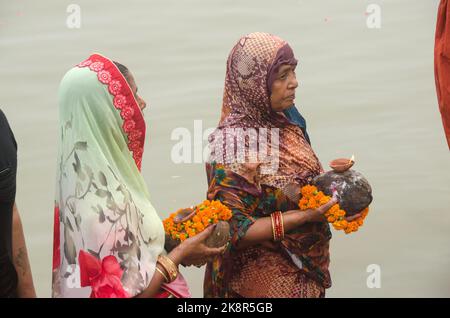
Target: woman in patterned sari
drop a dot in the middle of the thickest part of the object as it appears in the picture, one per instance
(108, 239)
(258, 98)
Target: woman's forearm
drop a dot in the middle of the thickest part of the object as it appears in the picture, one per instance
(158, 279)
(25, 288)
(155, 285)
(261, 230)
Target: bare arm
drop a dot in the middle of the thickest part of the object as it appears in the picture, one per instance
(261, 231)
(188, 252)
(155, 284)
(25, 288)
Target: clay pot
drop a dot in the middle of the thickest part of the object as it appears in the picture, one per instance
(350, 187)
(341, 164)
(184, 215)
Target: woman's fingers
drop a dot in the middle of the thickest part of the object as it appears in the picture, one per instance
(202, 236)
(325, 207)
(214, 251)
(353, 217)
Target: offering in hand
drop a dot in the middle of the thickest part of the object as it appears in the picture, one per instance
(351, 189)
(188, 222)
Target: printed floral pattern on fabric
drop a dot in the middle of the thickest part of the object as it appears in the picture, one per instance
(103, 276)
(236, 271)
(115, 211)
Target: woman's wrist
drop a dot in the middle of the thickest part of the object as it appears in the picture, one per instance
(177, 255)
(299, 217)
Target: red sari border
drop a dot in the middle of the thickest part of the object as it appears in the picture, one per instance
(124, 101)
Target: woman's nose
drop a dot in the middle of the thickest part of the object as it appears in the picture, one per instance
(294, 83)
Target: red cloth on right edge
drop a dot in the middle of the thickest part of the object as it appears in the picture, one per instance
(442, 64)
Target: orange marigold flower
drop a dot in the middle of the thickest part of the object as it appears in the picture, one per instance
(308, 190)
(206, 213)
(313, 198)
(312, 203)
(338, 226)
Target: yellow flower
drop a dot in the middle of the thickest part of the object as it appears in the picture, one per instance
(337, 226)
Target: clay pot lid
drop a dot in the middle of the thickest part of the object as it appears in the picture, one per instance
(184, 215)
(342, 164)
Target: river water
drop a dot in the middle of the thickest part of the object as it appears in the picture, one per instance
(364, 91)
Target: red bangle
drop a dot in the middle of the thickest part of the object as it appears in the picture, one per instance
(277, 226)
(280, 216)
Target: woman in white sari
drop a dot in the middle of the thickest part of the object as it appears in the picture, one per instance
(108, 238)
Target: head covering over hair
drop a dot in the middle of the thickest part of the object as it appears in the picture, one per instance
(246, 106)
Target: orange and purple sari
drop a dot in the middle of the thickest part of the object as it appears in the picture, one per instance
(297, 266)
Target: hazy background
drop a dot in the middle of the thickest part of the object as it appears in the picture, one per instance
(368, 92)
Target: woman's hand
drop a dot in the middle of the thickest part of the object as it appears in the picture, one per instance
(318, 214)
(194, 250)
(353, 217)
(191, 251)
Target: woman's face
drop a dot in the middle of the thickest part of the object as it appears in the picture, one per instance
(283, 88)
(130, 79)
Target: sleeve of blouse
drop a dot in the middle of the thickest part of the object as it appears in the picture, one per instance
(7, 161)
(238, 195)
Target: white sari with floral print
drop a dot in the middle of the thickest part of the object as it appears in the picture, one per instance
(107, 234)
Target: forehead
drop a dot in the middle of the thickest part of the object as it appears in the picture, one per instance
(286, 67)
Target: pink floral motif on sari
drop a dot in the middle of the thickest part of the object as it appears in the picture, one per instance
(103, 276)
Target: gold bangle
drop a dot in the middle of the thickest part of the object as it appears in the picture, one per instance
(163, 275)
(169, 266)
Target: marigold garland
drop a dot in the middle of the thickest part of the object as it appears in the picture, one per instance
(313, 198)
(206, 213)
